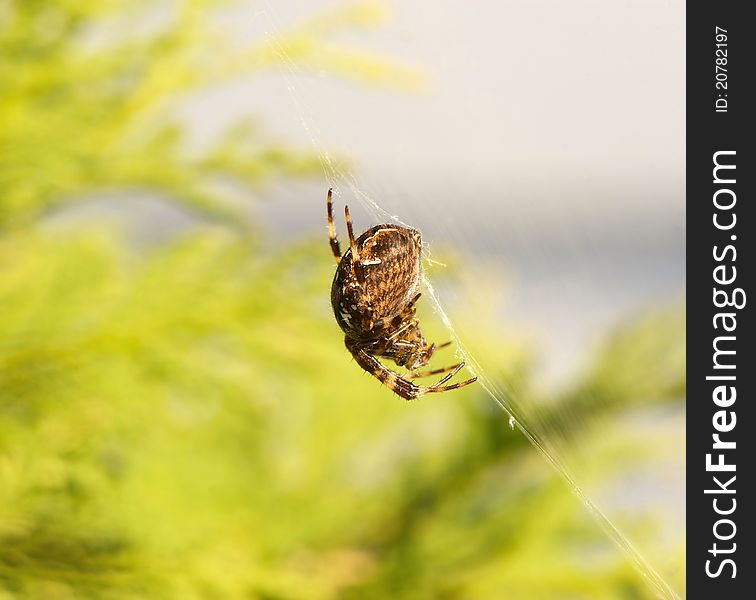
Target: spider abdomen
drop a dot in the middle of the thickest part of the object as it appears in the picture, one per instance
(383, 282)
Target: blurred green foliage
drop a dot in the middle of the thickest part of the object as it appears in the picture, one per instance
(182, 421)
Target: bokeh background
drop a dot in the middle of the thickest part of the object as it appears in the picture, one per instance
(178, 415)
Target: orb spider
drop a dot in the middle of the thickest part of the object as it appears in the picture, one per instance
(373, 296)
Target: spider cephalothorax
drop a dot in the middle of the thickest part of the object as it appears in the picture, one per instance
(374, 293)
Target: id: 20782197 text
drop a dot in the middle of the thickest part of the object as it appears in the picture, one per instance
(720, 69)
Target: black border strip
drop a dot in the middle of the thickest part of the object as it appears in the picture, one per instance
(720, 107)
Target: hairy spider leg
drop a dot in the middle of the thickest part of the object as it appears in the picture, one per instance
(414, 300)
(454, 371)
(352, 242)
(356, 263)
(334, 241)
(358, 269)
(402, 387)
(418, 374)
(403, 328)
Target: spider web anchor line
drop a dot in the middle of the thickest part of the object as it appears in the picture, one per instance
(499, 396)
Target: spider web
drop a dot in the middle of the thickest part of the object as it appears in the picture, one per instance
(439, 211)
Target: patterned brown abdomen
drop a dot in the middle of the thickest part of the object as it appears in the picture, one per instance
(390, 263)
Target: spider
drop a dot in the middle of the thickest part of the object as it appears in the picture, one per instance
(373, 296)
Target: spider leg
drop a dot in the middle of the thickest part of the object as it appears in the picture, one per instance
(453, 386)
(400, 386)
(418, 374)
(402, 329)
(352, 243)
(454, 371)
(335, 248)
(356, 263)
(444, 345)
